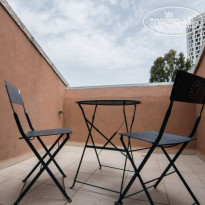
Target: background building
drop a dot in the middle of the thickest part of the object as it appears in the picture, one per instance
(195, 37)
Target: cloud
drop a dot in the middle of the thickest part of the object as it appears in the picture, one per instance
(104, 42)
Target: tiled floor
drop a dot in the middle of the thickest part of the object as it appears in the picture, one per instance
(170, 190)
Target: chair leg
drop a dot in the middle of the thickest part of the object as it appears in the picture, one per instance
(125, 164)
(169, 166)
(137, 174)
(180, 176)
(45, 167)
(48, 152)
(123, 175)
(36, 166)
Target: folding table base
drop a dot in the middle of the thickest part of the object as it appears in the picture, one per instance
(90, 126)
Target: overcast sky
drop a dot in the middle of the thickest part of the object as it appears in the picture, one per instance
(100, 42)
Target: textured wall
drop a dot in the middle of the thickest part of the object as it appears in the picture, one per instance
(149, 114)
(201, 130)
(22, 65)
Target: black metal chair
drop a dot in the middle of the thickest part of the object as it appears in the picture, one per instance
(187, 88)
(16, 98)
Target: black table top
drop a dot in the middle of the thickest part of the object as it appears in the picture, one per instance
(113, 102)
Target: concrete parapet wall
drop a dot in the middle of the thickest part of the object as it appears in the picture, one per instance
(22, 65)
(149, 114)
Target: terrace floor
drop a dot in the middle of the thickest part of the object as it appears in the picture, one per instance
(170, 190)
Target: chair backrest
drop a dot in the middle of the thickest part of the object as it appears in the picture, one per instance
(15, 97)
(14, 94)
(187, 88)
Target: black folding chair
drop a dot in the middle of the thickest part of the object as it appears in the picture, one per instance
(16, 98)
(187, 88)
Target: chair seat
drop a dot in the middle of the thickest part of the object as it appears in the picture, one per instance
(151, 136)
(48, 132)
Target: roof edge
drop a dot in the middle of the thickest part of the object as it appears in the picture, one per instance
(122, 85)
(11, 12)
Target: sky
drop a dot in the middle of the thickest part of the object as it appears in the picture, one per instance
(102, 42)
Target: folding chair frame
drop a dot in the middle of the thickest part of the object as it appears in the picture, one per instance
(138, 170)
(196, 94)
(44, 167)
(16, 98)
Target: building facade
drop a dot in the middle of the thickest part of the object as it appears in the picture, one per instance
(195, 37)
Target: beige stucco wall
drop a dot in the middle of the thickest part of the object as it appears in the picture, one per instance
(201, 130)
(149, 114)
(22, 65)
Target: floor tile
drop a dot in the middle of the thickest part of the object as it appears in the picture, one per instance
(191, 179)
(178, 195)
(86, 167)
(10, 190)
(158, 195)
(202, 177)
(87, 197)
(199, 193)
(15, 170)
(68, 180)
(107, 182)
(3, 179)
(170, 191)
(106, 171)
(45, 195)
